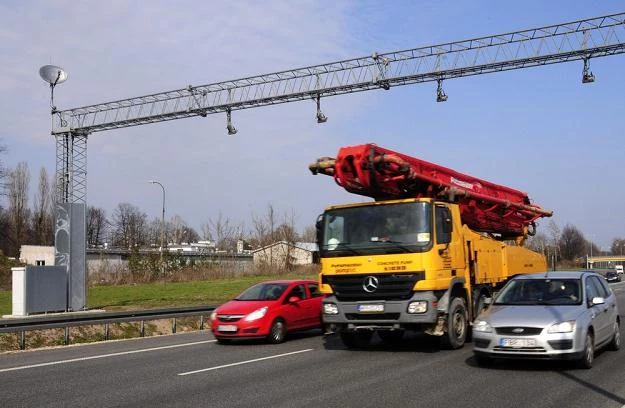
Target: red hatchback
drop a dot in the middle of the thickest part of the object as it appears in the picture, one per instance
(270, 310)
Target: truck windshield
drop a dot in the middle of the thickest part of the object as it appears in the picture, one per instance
(376, 229)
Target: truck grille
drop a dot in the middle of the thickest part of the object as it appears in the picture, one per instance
(372, 316)
(390, 287)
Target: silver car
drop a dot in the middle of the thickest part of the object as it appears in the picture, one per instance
(558, 315)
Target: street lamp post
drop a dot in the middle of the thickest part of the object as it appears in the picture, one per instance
(162, 222)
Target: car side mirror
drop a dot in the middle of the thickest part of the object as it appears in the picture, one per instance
(294, 299)
(597, 300)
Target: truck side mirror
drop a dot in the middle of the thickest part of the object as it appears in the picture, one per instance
(318, 231)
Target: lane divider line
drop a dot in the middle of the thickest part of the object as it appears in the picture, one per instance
(245, 362)
(121, 353)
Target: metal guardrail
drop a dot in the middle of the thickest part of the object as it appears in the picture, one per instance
(66, 321)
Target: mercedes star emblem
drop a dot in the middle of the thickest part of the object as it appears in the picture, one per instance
(370, 284)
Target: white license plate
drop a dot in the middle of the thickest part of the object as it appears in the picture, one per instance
(517, 343)
(227, 328)
(371, 308)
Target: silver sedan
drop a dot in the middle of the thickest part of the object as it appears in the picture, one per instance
(557, 315)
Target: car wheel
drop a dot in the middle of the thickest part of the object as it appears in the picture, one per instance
(589, 352)
(277, 333)
(456, 330)
(615, 344)
(355, 339)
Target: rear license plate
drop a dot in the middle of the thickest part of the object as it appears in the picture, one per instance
(369, 308)
(517, 343)
(227, 328)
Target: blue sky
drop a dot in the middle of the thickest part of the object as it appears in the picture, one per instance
(538, 130)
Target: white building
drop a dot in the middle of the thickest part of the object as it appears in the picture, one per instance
(284, 253)
(37, 255)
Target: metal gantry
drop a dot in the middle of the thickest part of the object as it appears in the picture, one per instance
(578, 40)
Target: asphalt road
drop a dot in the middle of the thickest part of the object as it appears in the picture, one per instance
(309, 370)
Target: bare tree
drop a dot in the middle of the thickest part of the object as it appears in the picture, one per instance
(572, 243)
(96, 226)
(618, 246)
(43, 215)
(223, 232)
(309, 234)
(554, 250)
(129, 226)
(3, 170)
(18, 183)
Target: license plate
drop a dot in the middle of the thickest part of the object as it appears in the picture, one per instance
(227, 328)
(371, 308)
(517, 343)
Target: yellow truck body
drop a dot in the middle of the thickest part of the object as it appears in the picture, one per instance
(435, 279)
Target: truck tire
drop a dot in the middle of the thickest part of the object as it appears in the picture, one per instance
(355, 339)
(456, 326)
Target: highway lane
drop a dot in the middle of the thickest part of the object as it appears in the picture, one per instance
(190, 369)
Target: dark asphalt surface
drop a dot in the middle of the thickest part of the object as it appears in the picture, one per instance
(309, 370)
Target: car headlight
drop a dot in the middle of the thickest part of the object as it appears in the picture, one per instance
(482, 326)
(564, 327)
(256, 314)
(420, 306)
(213, 315)
(330, 309)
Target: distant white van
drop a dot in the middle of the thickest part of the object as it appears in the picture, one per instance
(619, 269)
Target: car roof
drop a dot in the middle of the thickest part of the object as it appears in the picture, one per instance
(556, 275)
(289, 281)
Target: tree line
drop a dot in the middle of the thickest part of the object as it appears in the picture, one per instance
(128, 226)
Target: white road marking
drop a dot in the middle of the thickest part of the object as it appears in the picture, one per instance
(244, 362)
(121, 353)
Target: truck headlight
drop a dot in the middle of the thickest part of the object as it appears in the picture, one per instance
(330, 309)
(482, 326)
(564, 327)
(420, 306)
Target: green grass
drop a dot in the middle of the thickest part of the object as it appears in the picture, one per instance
(5, 302)
(161, 295)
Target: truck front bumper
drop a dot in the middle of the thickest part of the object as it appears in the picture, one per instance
(379, 314)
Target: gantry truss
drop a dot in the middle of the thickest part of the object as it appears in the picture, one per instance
(573, 41)
(578, 40)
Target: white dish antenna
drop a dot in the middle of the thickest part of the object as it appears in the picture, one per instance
(52, 74)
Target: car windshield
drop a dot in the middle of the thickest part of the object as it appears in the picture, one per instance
(540, 292)
(263, 291)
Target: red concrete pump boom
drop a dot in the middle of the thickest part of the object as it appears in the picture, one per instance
(383, 174)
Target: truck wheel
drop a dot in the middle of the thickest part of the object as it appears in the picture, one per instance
(355, 339)
(457, 325)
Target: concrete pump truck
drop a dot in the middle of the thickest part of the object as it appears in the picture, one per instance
(425, 254)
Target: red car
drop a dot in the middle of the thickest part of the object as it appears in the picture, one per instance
(270, 310)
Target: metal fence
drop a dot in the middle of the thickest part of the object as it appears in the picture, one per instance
(94, 318)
